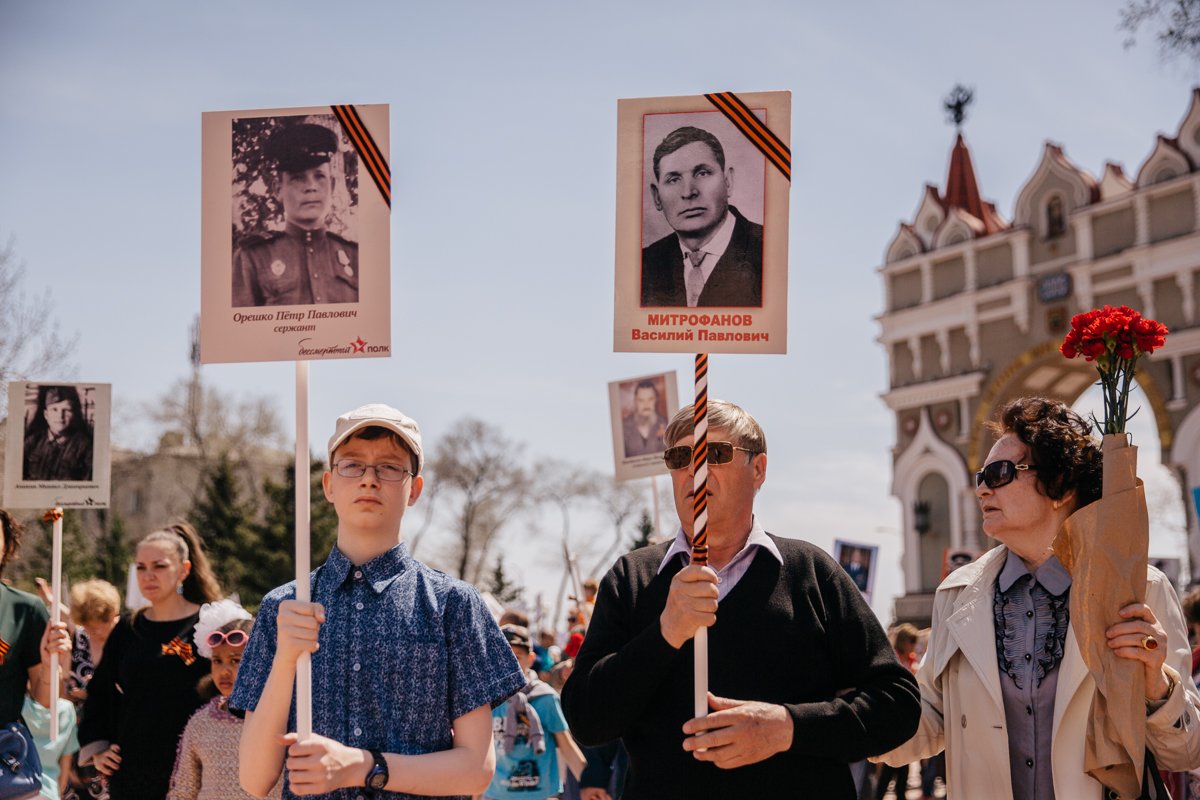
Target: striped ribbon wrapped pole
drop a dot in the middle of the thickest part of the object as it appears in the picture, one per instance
(700, 521)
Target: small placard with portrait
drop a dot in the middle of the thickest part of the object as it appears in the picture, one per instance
(702, 223)
(295, 245)
(57, 451)
(859, 562)
(640, 409)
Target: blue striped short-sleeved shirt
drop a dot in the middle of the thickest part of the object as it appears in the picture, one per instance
(404, 651)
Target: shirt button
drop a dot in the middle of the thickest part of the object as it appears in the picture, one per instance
(359, 606)
(358, 573)
(1029, 762)
(358, 732)
(1028, 709)
(1028, 657)
(1029, 614)
(357, 667)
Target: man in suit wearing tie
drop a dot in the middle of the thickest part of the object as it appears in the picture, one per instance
(715, 255)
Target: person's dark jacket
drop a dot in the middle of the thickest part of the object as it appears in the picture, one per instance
(797, 634)
(736, 280)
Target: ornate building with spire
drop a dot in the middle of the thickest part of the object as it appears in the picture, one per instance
(977, 305)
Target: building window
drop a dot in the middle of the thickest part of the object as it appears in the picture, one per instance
(1165, 174)
(1056, 217)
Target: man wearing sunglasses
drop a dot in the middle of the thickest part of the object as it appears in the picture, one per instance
(802, 678)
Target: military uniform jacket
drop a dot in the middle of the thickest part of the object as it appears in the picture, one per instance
(295, 267)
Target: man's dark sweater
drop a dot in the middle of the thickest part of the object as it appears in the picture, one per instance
(797, 634)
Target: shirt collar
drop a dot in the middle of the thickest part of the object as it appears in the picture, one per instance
(719, 242)
(757, 538)
(379, 571)
(303, 234)
(1052, 575)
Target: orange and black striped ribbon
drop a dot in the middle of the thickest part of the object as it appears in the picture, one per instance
(771, 146)
(4, 648)
(368, 152)
(700, 464)
(178, 647)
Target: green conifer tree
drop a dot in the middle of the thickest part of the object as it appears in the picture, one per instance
(224, 522)
(273, 562)
(645, 529)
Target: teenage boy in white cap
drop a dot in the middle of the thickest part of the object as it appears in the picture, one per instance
(407, 662)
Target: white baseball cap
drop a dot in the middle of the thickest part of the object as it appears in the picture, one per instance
(377, 415)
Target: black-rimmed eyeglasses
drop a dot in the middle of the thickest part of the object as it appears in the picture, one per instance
(1000, 473)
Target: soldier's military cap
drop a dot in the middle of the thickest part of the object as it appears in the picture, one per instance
(300, 147)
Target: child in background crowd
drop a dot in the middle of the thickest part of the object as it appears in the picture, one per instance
(55, 755)
(530, 732)
(207, 763)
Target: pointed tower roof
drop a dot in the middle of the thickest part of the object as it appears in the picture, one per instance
(962, 190)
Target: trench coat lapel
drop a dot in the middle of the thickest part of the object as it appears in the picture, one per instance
(1071, 673)
(972, 625)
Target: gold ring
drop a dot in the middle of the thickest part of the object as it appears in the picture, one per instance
(1149, 643)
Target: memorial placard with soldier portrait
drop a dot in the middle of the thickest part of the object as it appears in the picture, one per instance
(57, 448)
(296, 223)
(640, 409)
(702, 218)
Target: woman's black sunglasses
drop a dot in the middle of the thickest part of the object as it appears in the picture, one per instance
(680, 456)
(1000, 473)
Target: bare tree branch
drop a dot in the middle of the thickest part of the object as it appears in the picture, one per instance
(31, 344)
(1175, 25)
(483, 482)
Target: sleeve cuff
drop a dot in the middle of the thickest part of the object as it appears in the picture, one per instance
(1164, 712)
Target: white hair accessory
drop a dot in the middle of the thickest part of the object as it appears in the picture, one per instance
(214, 616)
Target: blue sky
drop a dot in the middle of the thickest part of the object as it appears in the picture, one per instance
(502, 154)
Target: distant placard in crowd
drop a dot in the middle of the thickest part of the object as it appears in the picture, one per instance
(702, 224)
(640, 409)
(57, 450)
(295, 248)
(955, 557)
(859, 562)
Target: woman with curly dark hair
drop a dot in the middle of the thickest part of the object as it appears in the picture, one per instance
(145, 686)
(1004, 689)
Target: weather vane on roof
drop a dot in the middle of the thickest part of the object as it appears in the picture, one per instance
(956, 104)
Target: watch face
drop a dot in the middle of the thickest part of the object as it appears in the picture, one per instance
(377, 778)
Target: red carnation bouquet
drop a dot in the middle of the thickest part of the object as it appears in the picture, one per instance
(1104, 544)
(1114, 338)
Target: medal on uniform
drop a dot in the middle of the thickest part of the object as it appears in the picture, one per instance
(278, 268)
(345, 261)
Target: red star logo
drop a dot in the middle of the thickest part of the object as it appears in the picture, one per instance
(358, 345)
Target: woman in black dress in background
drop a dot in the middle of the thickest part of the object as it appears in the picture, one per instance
(144, 689)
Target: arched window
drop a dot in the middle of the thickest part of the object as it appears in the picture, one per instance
(1056, 217)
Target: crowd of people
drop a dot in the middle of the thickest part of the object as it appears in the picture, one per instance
(418, 690)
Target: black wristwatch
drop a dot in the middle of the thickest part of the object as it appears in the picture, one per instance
(377, 776)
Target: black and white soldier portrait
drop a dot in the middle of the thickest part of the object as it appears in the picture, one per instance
(295, 187)
(713, 252)
(58, 436)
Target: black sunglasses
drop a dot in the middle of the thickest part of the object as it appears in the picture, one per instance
(680, 456)
(1000, 473)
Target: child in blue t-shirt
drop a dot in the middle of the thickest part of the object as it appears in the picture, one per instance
(530, 733)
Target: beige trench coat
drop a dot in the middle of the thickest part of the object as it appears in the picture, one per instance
(962, 710)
